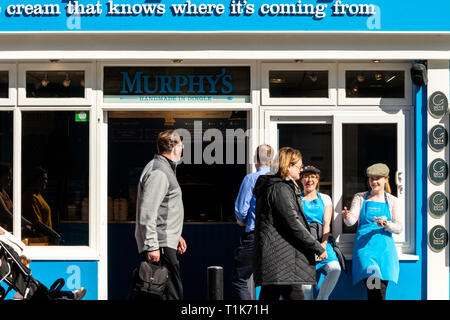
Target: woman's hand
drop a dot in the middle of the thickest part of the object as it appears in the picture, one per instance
(345, 213)
(323, 256)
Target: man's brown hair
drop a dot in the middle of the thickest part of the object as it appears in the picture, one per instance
(167, 140)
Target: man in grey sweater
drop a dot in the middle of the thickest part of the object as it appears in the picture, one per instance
(159, 212)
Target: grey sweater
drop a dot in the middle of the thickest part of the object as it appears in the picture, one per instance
(159, 207)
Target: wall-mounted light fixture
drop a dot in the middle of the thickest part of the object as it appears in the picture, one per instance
(376, 61)
(54, 60)
(177, 61)
(298, 61)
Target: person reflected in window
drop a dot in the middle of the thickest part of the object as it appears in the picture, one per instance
(375, 259)
(318, 209)
(285, 249)
(34, 206)
(6, 205)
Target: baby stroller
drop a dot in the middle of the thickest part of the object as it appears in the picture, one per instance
(17, 276)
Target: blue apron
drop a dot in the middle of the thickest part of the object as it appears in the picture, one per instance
(374, 252)
(314, 212)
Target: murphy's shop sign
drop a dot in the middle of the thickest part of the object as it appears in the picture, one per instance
(176, 85)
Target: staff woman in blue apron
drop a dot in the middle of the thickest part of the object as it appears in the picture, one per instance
(318, 209)
(375, 259)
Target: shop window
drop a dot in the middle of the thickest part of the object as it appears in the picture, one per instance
(209, 187)
(55, 84)
(298, 84)
(4, 84)
(364, 145)
(309, 84)
(6, 161)
(55, 177)
(375, 84)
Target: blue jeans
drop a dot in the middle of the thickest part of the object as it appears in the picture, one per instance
(243, 267)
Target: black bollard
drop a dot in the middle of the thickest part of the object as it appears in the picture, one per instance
(215, 283)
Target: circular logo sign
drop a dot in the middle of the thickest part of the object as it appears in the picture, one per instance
(438, 104)
(438, 138)
(438, 204)
(438, 171)
(437, 238)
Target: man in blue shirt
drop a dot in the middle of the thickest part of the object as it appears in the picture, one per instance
(244, 210)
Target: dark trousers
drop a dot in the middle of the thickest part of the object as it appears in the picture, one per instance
(243, 267)
(174, 288)
(375, 291)
(287, 292)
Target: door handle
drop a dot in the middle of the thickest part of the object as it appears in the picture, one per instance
(400, 181)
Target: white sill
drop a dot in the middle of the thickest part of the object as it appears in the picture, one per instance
(61, 253)
(401, 257)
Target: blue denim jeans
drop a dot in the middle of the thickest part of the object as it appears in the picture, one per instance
(243, 267)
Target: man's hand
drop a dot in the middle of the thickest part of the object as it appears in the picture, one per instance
(182, 246)
(153, 256)
(242, 224)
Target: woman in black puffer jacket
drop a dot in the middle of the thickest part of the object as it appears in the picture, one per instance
(284, 247)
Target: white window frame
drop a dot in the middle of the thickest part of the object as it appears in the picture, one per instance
(405, 241)
(254, 90)
(408, 94)
(88, 69)
(12, 80)
(90, 252)
(265, 92)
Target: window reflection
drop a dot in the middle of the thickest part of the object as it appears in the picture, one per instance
(6, 158)
(55, 178)
(375, 84)
(298, 84)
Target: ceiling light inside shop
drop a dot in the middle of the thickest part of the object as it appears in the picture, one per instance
(45, 81)
(66, 82)
(360, 78)
(378, 76)
(313, 77)
(276, 80)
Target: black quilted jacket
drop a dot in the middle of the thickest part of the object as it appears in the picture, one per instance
(284, 247)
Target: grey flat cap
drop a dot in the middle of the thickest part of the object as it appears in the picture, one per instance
(378, 170)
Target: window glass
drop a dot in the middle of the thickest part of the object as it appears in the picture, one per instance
(375, 84)
(6, 160)
(55, 84)
(55, 177)
(4, 84)
(314, 142)
(209, 170)
(298, 84)
(364, 145)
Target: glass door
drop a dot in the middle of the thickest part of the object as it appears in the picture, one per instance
(362, 140)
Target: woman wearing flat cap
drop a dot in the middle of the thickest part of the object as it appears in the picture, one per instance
(318, 209)
(375, 260)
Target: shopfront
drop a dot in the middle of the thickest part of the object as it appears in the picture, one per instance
(85, 98)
